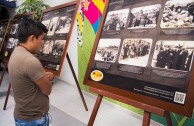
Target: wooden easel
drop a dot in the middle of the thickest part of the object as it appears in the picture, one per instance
(148, 109)
(74, 76)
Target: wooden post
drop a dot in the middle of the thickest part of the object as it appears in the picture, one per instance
(168, 118)
(146, 118)
(95, 110)
(7, 96)
(76, 81)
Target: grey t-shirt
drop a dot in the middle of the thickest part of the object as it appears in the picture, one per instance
(24, 69)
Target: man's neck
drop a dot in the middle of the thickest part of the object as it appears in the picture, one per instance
(27, 47)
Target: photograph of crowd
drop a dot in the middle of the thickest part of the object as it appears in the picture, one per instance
(2, 29)
(107, 50)
(58, 47)
(135, 52)
(46, 23)
(177, 55)
(1, 39)
(116, 20)
(52, 26)
(47, 47)
(14, 29)
(63, 25)
(12, 43)
(177, 13)
(144, 17)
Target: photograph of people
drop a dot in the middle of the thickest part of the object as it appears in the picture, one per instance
(135, 52)
(177, 55)
(46, 23)
(1, 39)
(107, 50)
(2, 29)
(12, 43)
(47, 47)
(176, 14)
(52, 26)
(144, 17)
(63, 25)
(58, 47)
(14, 29)
(116, 20)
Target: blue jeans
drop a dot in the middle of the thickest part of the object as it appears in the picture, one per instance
(43, 121)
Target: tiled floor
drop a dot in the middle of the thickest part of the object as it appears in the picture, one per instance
(67, 109)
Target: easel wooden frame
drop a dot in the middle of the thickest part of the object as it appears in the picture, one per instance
(1, 46)
(185, 109)
(2, 43)
(6, 59)
(74, 76)
(76, 3)
(65, 53)
(16, 16)
(148, 109)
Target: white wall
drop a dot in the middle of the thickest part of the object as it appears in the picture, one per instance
(53, 3)
(66, 73)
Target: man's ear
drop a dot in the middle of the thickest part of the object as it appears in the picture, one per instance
(31, 38)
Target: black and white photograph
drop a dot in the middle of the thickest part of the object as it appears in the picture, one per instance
(46, 23)
(135, 52)
(58, 47)
(116, 20)
(175, 55)
(12, 43)
(178, 13)
(63, 25)
(144, 17)
(1, 39)
(47, 47)
(107, 50)
(14, 29)
(2, 29)
(52, 26)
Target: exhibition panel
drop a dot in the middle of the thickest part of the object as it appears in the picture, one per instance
(12, 36)
(59, 20)
(144, 52)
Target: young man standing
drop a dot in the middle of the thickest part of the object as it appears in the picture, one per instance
(30, 83)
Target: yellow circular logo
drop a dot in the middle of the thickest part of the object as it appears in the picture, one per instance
(6, 53)
(96, 75)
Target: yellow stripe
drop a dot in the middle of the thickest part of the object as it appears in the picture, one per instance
(99, 4)
(80, 21)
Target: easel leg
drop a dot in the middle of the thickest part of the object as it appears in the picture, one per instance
(77, 83)
(3, 73)
(7, 96)
(168, 119)
(146, 118)
(95, 110)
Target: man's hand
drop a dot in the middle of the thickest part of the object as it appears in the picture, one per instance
(50, 75)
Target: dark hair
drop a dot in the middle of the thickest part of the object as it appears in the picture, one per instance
(29, 27)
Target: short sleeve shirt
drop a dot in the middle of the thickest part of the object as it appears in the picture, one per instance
(24, 69)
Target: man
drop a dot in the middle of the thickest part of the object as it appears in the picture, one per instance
(30, 83)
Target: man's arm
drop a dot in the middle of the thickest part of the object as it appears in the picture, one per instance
(50, 75)
(44, 84)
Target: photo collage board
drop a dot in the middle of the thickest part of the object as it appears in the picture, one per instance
(13, 41)
(145, 48)
(59, 21)
(3, 28)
